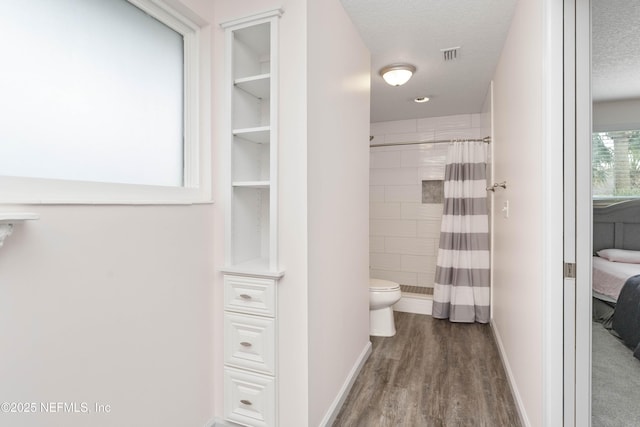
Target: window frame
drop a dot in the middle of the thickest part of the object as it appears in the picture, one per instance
(196, 187)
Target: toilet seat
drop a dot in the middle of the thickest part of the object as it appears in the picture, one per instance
(380, 285)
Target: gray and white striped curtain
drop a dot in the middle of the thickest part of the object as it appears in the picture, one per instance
(461, 290)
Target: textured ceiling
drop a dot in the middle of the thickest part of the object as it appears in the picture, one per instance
(414, 31)
(615, 49)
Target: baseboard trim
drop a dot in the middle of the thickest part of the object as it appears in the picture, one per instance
(415, 303)
(335, 407)
(522, 413)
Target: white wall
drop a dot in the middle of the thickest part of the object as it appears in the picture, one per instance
(293, 345)
(338, 207)
(110, 305)
(404, 232)
(486, 124)
(517, 253)
(616, 115)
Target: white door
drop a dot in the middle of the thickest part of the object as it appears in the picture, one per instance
(577, 214)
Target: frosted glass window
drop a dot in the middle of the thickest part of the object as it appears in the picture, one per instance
(90, 90)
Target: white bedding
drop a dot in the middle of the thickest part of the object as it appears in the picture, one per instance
(609, 277)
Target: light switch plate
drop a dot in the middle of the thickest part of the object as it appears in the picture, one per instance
(505, 209)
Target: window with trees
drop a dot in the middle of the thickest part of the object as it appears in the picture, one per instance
(616, 164)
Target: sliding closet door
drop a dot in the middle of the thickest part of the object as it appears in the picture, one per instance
(578, 213)
(584, 213)
(569, 249)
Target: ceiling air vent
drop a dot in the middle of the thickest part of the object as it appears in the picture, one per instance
(450, 53)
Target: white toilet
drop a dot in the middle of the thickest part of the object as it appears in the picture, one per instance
(382, 295)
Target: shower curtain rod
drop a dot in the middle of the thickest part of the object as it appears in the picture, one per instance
(486, 139)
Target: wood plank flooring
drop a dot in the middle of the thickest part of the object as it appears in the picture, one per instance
(432, 373)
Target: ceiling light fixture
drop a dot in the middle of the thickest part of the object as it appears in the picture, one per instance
(421, 99)
(397, 74)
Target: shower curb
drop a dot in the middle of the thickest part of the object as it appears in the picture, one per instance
(414, 303)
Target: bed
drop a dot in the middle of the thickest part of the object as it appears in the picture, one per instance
(616, 270)
(609, 277)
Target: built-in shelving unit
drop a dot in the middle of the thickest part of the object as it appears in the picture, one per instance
(252, 208)
(251, 260)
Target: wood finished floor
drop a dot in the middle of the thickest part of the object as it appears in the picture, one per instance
(432, 373)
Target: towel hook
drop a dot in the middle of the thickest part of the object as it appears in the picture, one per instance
(493, 188)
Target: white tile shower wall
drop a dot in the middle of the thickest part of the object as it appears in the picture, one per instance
(404, 232)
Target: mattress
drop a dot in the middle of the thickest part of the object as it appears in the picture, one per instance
(609, 277)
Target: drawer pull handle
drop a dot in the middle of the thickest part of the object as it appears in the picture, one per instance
(246, 402)
(245, 296)
(245, 344)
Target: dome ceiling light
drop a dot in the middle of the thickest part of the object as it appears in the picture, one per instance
(397, 74)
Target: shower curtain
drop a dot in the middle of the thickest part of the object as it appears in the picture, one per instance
(461, 290)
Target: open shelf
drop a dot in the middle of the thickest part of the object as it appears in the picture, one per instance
(250, 230)
(252, 50)
(257, 267)
(13, 217)
(251, 184)
(9, 219)
(250, 161)
(257, 86)
(249, 111)
(259, 134)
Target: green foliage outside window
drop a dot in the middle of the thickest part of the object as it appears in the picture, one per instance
(615, 167)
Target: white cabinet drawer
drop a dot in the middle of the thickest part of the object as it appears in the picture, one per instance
(249, 399)
(250, 295)
(250, 342)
